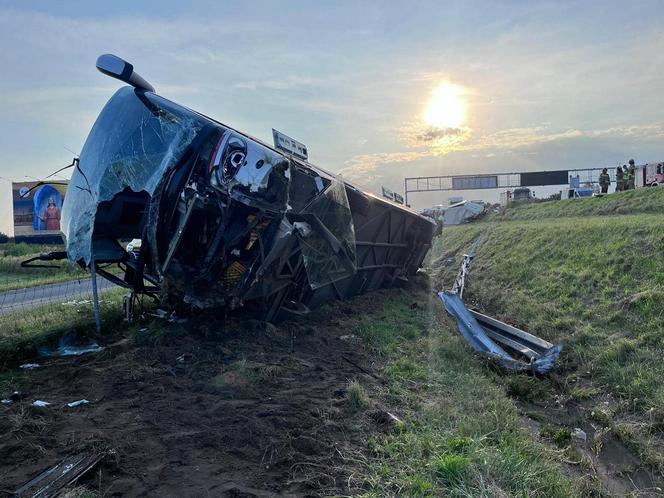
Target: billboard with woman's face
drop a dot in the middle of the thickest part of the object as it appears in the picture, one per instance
(37, 209)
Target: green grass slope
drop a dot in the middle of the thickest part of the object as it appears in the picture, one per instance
(645, 200)
(589, 273)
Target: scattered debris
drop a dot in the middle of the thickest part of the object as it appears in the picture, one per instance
(386, 420)
(183, 358)
(51, 481)
(580, 434)
(40, 404)
(78, 403)
(71, 345)
(76, 302)
(458, 213)
(539, 355)
(72, 350)
(348, 337)
(393, 417)
(30, 366)
(6, 401)
(159, 313)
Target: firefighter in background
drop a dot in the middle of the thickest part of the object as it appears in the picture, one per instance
(632, 175)
(604, 181)
(619, 179)
(625, 177)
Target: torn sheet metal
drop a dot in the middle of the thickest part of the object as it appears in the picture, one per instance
(490, 337)
(225, 220)
(51, 481)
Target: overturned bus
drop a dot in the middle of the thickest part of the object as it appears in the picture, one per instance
(224, 220)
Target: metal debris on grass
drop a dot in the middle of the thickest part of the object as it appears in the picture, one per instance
(50, 482)
(78, 403)
(494, 338)
(30, 366)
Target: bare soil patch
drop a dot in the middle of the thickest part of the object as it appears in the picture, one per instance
(204, 408)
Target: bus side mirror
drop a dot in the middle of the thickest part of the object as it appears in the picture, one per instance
(115, 67)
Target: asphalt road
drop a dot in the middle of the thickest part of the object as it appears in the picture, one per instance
(30, 297)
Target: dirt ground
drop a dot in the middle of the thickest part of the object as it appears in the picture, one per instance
(204, 409)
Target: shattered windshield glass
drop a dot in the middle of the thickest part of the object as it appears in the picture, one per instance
(135, 140)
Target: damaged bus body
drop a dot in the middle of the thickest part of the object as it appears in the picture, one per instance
(225, 221)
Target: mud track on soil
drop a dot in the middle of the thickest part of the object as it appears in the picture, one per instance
(206, 409)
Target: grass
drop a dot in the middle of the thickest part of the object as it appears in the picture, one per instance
(356, 400)
(589, 273)
(640, 201)
(22, 249)
(13, 276)
(461, 433)
(22, 332)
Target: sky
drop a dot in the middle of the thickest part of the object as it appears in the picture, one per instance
(376, 90)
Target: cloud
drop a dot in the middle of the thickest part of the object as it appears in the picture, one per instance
(364, 167)
(367, 167)
(290, 82)
(517, 138)
(439, 141)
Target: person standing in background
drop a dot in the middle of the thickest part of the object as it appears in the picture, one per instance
(632, 175)
(604, 181)
(625, 177)
(619, 179)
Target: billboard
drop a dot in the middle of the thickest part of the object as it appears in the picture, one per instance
(37, 210)
(539, 178)
(474, 182)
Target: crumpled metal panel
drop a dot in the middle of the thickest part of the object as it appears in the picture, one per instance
(479, 338)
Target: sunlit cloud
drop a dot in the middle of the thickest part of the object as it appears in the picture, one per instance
(364, 168)
(438, 141)
(367, 167)
(441, 127)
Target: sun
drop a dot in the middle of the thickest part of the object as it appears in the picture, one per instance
(446, 108)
